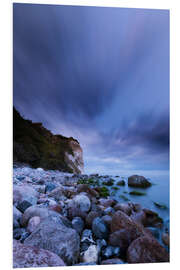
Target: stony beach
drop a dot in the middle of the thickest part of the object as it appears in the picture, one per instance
(71, 219)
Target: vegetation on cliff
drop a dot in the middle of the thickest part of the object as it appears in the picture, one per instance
(37, 146)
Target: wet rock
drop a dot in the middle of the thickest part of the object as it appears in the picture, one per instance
(22, 206)
(99, 228)
(122, 221)
(138, 181)
(74, 211)
(139, 217)
(152, 219)
(91, 254)
(25, 192)
(112, 261)
(33, 223)
(90, 217)
(146, 250)
(107, 220)
(109, 211)
(107, 202)
(121, 183)
(78, 224)
(122, 238)
(165, 239)
(108, 182)
(52, 234)
(124, 207)
(154, 232)
(27, 256)
(85, 188)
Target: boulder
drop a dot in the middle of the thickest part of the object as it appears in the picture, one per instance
(90, 217)
(138, 181)
(124, 207)
(22, 206)
(146, 250)
(78, 224)
(27, 256)
(16, 215)
(122, 221)
(165, 239)
(24, 193)
(54, 235)
(99, 228)
(33, 223)
(109, 211)
(123, 237)
(85, 188)
(82, 202)
(107, 220)
(33, 211)
(152, 218)
(90, 255)
(49, 187)
(121, 183)
(106, 202)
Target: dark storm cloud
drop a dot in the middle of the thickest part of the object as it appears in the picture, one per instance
(100, 75)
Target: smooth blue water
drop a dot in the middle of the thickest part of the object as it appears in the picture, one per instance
(158, 192)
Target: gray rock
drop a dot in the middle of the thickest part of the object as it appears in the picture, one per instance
(16, 215)
(82, 202)
(138, 181)
(49, 187)
(53, 235)
(25, 192)
(27, 256)
(33, 223)
(109, 211)
(22, 206)
(99, 228)
(91, 254)
(78, 224)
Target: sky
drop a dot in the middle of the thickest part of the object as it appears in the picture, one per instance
(100, 75)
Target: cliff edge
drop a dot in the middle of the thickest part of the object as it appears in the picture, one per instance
(35, 145)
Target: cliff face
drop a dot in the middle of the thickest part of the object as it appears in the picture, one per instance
(37, 146)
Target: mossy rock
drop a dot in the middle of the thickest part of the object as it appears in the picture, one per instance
(103, 192)
(137, 193)
(124, 197)
(161, 206)
(115, 188)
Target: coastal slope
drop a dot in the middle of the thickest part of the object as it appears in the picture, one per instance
(35, 145)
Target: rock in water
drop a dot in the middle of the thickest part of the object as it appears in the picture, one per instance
(99, 228)
(146, 250)
(27, 256)
(53, 235)
(138, 181)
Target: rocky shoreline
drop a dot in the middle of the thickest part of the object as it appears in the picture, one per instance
(71, 219)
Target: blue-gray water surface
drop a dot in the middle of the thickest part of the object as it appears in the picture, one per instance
(158, 192)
